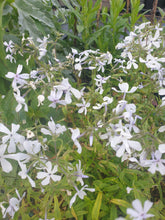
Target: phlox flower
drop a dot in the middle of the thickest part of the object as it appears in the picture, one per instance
(23, 174)
(75, 136)
(78, 67)
(140, 27)
(6, 165)
(11, 58)
(162, 91)
(153, 41)
(42, 47)
(129, 189)
(107, 57)
(104, 59)
(32, 147)
(21, 101)
(43, 42)
(79, 173)
(17, 77)
(124, 89)
(68, 90)
(83, 106)
(155, 164)
(12, 136)
(54, 129)
(163, 102)
(100, 80)
(40, 98)
(106, 102)
(49, 174)
(152, 62)
(80, 193)
(161, 129)
(131, 62)
(9, 46)
(121, 143)
(162, 148)
(29, 134)
(55, 96)
(14, 204)
(120, 107)
(139, 212)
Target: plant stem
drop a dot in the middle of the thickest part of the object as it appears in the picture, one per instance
(2, 52)
(128, 4)
(153, 12)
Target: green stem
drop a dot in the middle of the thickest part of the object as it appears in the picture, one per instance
(2, 52)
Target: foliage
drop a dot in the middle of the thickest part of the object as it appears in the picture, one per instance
(82, 133)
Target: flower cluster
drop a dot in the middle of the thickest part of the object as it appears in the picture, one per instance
(111, 117)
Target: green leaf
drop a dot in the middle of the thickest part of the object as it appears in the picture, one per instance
(80, 28)
(10, 1)
(73, 213)
(161, 12)
(57, 213)
(96, 207)
(120, 202)
(28, 12)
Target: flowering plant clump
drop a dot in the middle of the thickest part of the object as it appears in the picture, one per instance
(84, 149)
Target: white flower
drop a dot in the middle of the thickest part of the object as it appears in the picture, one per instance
(9, 46)
(43, 43)
(156, 164)
(55, 96)
(11, 58)
(42, 53)
(48, 174)
(29, 134)
(129, 189)
(106, 102)
(161, 91)
(17, 77)
(78, 67)
(14, 204)
(42, 47)
(121, 143)
(79, 174)
(131, 62)
(40, 98)
(83, 106)
(162, 148)
(100, 80)
(120, 107)
(124, 89)
(6, 166)
(32, 147)
(152, 62)
(153, 41)
(161, 129)
(68, 90)
(23, 174)
(12, 137)
(75, 136)
(21, 101)
(140, 213)
(80, 193)
(74, 51)
(54, 129)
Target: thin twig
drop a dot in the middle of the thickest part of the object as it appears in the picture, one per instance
(98, 16)
(128, 6)
(153, 12)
